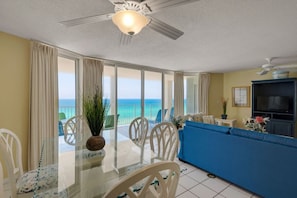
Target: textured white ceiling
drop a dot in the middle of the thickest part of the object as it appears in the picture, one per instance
(220, 35)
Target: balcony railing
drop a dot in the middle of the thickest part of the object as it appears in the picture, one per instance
(126, 112)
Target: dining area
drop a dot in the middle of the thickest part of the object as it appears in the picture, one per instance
(139, 166)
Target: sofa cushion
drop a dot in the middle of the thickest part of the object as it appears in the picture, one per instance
(247, 133)
(279, 139)
(211, 127)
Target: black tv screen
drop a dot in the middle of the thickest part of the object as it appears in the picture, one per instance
(273, 104)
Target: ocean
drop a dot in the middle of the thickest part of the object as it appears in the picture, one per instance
(128, 109)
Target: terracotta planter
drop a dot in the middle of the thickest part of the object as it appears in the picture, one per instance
(95, 143)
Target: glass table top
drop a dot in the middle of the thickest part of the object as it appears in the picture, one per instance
(83, 173)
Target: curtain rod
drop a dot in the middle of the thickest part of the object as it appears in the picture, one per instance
(108, 61)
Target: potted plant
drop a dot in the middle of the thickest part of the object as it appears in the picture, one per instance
(224, 104)
(95, 110)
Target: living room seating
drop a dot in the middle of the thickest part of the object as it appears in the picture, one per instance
(156, 180)
(259, 162)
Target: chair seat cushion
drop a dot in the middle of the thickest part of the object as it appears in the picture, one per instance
(48, 177)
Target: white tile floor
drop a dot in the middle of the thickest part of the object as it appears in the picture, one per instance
(194, 183)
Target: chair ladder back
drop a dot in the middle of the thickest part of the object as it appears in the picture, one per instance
(138, 130)
(7, 162)
(74, 129)
(13, 148)
(164, 141)
(156, 180)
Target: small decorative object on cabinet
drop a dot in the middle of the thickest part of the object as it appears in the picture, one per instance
(95, 111)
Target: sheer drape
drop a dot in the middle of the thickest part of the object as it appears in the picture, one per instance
(43, 99)
(203, 88)
(92, 76)
(178, 93)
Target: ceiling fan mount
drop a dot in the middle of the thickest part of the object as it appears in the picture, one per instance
(139, 11)
(140, 7)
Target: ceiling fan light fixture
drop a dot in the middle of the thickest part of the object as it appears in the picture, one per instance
(130, 22)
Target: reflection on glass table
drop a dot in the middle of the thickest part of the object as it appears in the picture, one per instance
(83, 173)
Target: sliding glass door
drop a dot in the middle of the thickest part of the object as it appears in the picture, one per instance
(128, 95)
(153, 97)
(136, 92)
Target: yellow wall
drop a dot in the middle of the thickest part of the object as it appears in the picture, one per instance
(242, 78)
(216, 92)
(14, 86)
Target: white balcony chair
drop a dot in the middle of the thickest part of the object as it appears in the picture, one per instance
(156, 180)
(22, 184)
(164, 141)
(138, 131)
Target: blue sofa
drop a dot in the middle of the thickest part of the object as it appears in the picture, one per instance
(262, 163)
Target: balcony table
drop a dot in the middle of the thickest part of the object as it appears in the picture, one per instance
(81, 177)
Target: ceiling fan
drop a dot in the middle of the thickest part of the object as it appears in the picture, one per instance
(278, 68)
(130, 16)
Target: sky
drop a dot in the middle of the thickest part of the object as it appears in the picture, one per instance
(127, 88)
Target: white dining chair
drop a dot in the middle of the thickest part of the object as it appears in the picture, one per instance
(14, 148)
(74, 129)
(138, 130)
(1, 181)
(23, 184)
(155, 180)
(164, 141)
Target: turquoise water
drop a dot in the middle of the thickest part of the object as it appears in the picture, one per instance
(128, 109)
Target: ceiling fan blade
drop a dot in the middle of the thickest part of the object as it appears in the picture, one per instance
(87, 20)
(263, 72)
(165, 29)
(156, 5)
(125, 39)
(286, 66)
(116, 2)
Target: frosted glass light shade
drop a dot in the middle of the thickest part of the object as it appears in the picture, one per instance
(129, 22)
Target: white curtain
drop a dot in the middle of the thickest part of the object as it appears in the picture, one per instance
(92, 76)
(178, 93)
(43, 100)
(203, 88)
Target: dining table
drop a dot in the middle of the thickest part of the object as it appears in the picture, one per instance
(78, 172)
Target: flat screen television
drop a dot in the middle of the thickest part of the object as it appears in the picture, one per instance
(281, 104)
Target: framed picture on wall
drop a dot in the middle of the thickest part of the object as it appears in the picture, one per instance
(241, 96)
